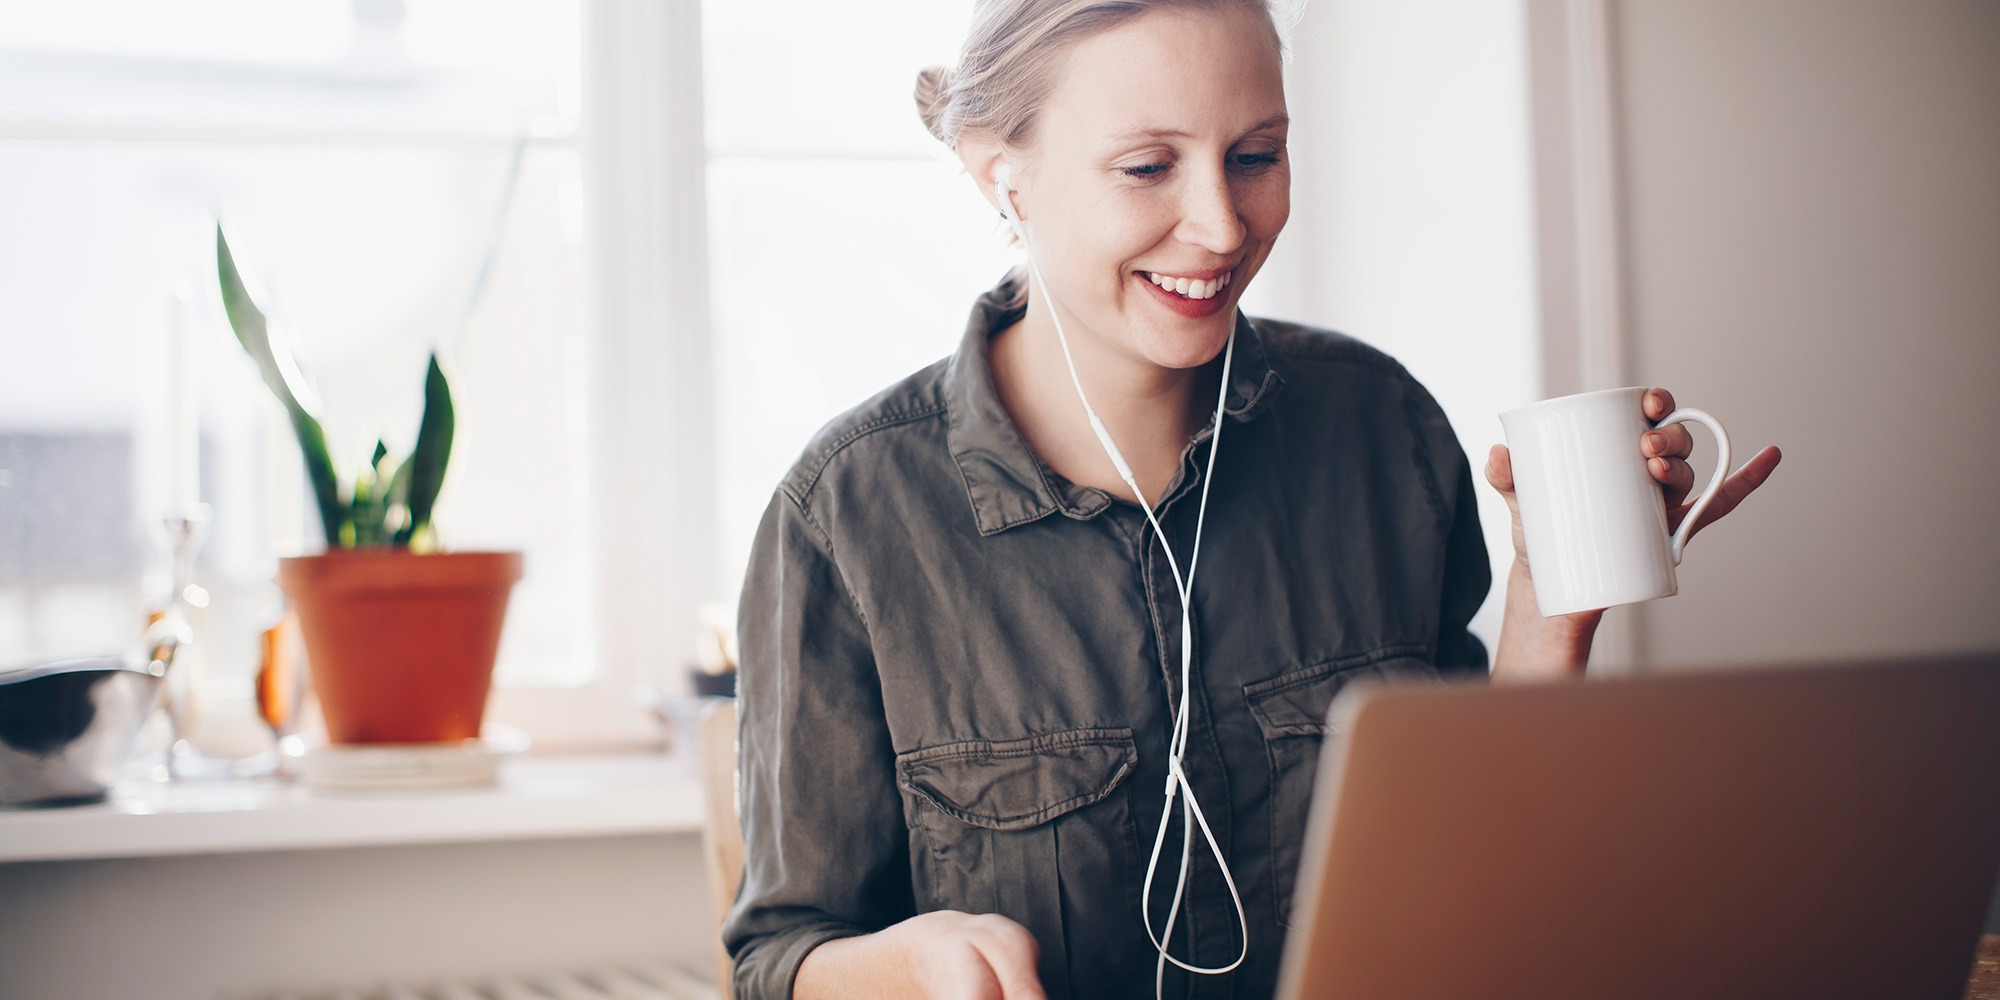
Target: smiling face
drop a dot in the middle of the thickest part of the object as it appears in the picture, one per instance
(1158, 159)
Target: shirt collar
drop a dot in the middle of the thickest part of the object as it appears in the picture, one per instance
(1005, 481)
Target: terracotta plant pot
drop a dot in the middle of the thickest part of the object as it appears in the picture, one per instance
(401, 646)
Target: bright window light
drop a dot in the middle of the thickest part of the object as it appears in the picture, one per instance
(363, 156)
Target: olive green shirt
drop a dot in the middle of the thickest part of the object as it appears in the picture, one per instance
(957, 665)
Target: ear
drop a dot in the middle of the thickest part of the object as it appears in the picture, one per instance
(982, 162)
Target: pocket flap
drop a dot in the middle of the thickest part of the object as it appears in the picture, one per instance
(1295, 704)
(1016, 784)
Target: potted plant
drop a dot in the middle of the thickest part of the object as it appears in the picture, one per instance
(400, 637)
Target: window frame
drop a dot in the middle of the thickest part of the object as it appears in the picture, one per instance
(652, 461)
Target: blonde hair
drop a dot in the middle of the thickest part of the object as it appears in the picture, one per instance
(1007, 67)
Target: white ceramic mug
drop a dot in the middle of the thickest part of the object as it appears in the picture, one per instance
(1595, 519)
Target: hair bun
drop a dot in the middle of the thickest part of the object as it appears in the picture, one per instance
(933, 98)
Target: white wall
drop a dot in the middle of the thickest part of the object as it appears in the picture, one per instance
(1812, 248)
(1412, 217)
(1812, 221)
(242, 925)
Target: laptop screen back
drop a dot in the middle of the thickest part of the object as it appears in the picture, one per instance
(1817, 832)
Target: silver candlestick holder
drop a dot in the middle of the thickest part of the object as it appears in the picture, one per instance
(180, 696)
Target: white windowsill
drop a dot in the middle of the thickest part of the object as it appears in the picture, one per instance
(538, 798)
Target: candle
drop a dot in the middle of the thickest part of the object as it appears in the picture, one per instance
(183, 426)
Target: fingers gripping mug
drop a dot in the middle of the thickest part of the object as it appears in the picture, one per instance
(1595, 519)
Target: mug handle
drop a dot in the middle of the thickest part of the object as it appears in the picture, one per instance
(1681, 416)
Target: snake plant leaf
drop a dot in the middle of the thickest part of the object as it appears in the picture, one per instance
(333, 513)
(396, 501)
(398, 493)
(367, 511)
(282, 376)
(433, 450)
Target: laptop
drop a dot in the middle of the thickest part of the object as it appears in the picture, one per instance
(1820, 832)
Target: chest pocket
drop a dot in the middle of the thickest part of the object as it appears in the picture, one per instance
(1291, 711)
(1028, 828)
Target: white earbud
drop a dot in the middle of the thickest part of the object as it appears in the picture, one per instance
(1177, 783)
(1003, 189)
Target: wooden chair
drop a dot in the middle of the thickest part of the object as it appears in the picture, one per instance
(721, 833)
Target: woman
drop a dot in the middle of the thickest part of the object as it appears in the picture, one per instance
(967, 678)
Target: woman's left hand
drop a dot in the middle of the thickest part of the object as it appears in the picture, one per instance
(1666, 450)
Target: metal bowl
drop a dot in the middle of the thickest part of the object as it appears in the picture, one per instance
(66, 728)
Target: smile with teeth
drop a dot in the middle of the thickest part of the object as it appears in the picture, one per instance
(1192, 288)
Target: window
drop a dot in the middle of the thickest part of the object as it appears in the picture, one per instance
(367, 159)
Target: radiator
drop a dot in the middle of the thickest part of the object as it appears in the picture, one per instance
(646, 981)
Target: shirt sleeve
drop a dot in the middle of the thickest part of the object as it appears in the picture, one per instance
(1467, 578)
(825, 848)
(1468, 575)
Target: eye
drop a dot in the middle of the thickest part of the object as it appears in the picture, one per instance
(1253, 162)
(1145, 170)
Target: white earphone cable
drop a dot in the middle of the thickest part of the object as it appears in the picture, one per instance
(1177, 783)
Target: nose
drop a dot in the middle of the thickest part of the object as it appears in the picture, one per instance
(1209, 215)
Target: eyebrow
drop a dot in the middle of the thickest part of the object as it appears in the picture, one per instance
(1161, 133)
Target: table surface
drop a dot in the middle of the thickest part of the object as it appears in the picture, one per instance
(1985, 982)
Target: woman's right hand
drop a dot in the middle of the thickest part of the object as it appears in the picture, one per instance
(942, 955)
